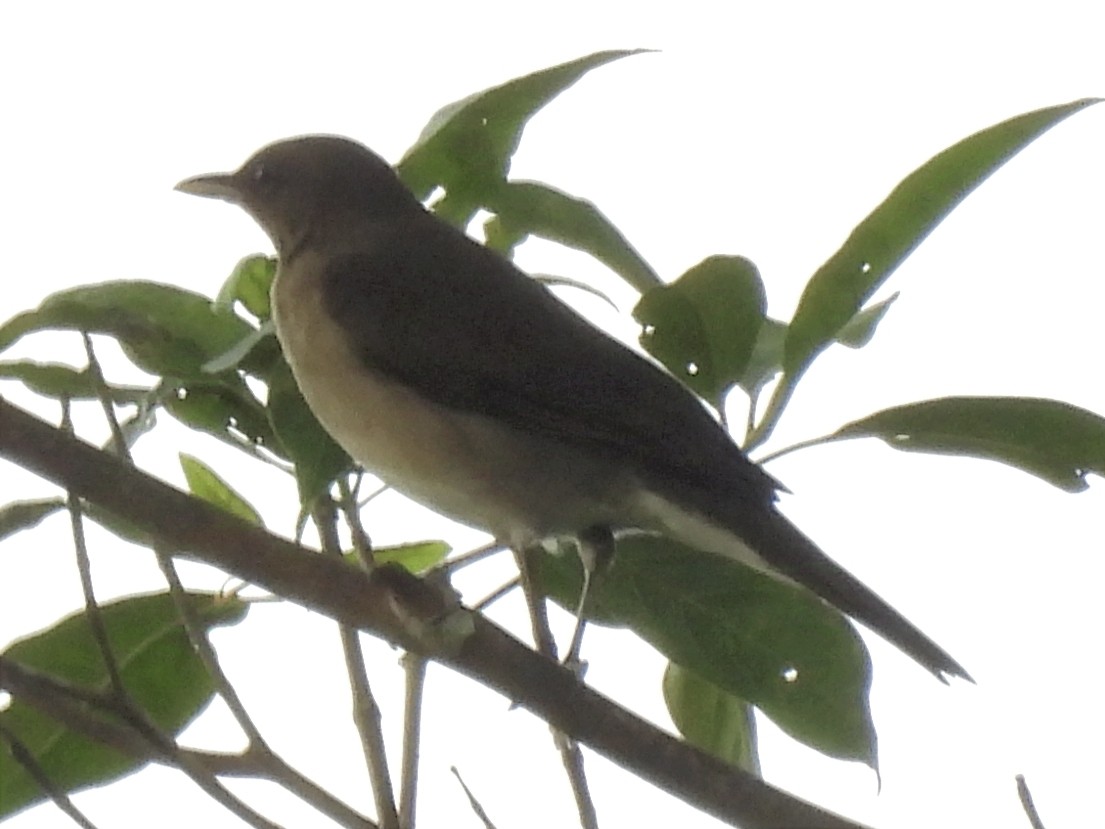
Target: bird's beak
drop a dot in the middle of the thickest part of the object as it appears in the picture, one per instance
(212, 186)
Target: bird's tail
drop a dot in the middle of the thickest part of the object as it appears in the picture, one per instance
(768, 541)
(794, 555)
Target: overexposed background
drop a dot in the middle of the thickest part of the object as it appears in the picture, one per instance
(766, 130)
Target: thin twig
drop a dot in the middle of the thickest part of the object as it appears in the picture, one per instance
(750, 416)
(794, 447)
(366, 713)
(84, 569)
(128, 730)
(1026, 802)
(23, 756)
(462, 560)
(496, 594)
(776, 404)
(570, 754)
(351, 509)
(572, 758)
(197, 633)
(359, 477)
(197, 636)
(275, 767)
(120, 697)
(475, 804)
(96, 374)
(414, 669)
(276, 770)
(100, 718)
(201, 643)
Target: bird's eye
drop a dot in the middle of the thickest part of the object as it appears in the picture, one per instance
(258, 174)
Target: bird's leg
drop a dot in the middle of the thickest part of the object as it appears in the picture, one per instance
(596, 551)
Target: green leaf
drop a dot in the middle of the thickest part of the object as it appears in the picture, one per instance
(120, 527)
(57, 380)
(204, 483)
(467, 145)
(254, 353)
(711, 719)
(859, 330)
(703, 326)
(318, 459)
(528, 207)
(417, 557)
(22, 515)
(159, 669)
(164, 330)
(249, 283)
(878, 244)
(773, 644)
(890, 233)
(766, 360)
(1055, 441)
(228, 410)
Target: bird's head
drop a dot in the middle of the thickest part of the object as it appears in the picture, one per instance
(292, 186)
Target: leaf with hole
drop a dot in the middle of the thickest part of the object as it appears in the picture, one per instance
(1055, 441)
(468, 144)
(773, 644)
(703, 327)
(165, 330)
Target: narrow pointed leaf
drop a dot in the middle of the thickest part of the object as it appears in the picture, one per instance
(890, 233)
(204, 483)
(467, 145)
(1055, 441)
(22, 515)
(57, 380)
(524, 207)
(859, 330)
(417, 557)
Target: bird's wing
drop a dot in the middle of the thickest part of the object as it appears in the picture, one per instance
(464, 327)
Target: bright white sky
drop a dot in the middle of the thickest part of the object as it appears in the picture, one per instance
(761, 129)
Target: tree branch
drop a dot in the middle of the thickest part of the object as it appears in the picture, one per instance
(402, 609)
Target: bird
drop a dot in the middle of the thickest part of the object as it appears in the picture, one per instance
(467, 385)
